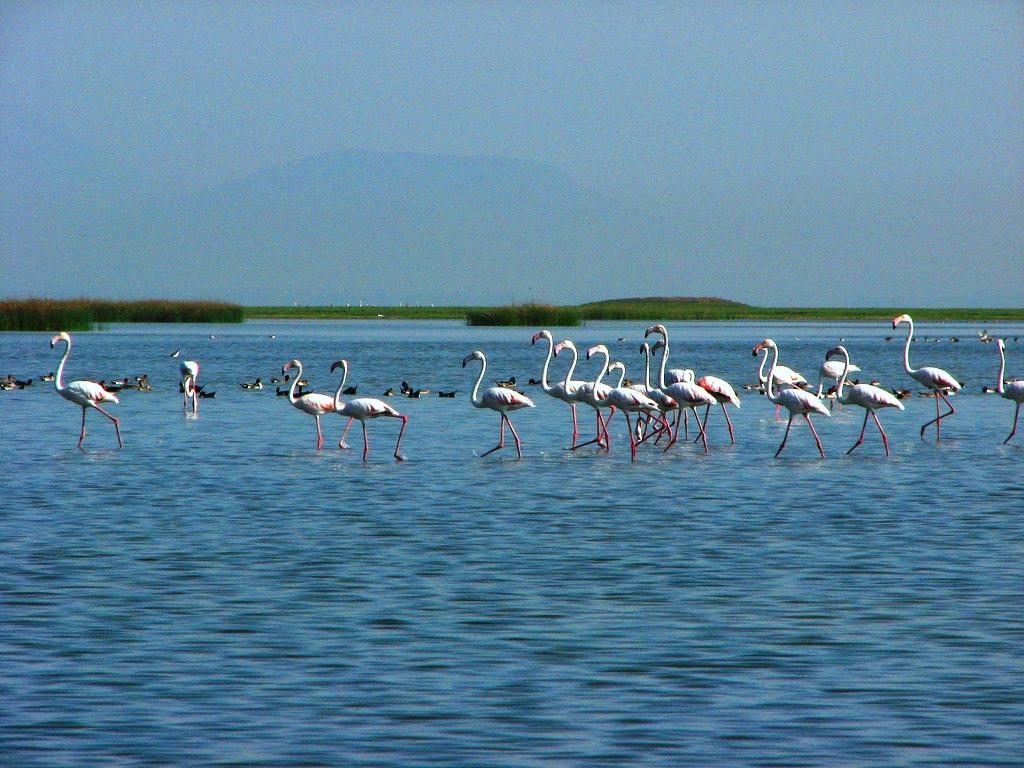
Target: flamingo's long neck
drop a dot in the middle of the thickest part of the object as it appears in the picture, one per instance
(295, 382)
(998, 382)
(572, 365)
(622, 373)
(664, 361)
(771, 373)
(604, 368)
(646, 349)
(842, 379)
(58, 377)
(906, 347)
(760, 368)
(339, 406)
(476, 387)
(547, 361)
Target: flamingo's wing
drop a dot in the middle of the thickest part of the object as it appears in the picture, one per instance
(89, 393)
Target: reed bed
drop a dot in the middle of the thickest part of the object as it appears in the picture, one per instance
(525, 314)
(85, 314)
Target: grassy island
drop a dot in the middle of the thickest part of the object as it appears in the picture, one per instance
(85, 314)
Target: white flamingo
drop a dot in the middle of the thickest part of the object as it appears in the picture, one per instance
(563, 390)
(687, 394)
(363, 409)
(832, 369)
(1013, 391)
(500, 399)
(312, 403)
(189, 370)
(665, 402)
(867, 396)
(87, 394)
(935, 379)
(625, 399)
(672, 375)
(793, 399)
(722, 391)
(588, 392)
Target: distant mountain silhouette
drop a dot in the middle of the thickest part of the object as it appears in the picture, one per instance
(449, 230)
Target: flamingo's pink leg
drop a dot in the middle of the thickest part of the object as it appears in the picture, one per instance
(117, 425)
(341, 442)
(575, 427)
(515, 436)
(815, 433)
(885, 438)
(863, 427)
(937, 421)
(398, 443)
(501, 436)
(785, 437)
(319, 434)
(732, 438)
(1016, 413)
(632, 437)
(81, 437)
(703, 434)
(366, 441)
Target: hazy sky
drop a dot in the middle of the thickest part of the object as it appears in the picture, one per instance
(814, 153)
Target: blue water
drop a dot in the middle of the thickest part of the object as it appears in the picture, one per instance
(220, 593)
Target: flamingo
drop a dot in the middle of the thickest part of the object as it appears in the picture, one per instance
(674, 374)
(313, 403)
(795, 400)
(832, 369)
(87, 394)
(564, 390)
(867, 396)
(722, 391)
(363, 409)
(500, 399)
(1012, 391)
(934, 379)
(587, 392)
(626, 399)
(189, 373)
(665, 402)
(687, 394)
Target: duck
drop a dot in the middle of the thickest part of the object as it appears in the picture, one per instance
(258, 384)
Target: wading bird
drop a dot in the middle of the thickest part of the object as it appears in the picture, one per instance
(1013, 391)
(867, 396)
(87, 394)
(500, 399)
(563, 390)
(794, 400)
(313, 403)
(935, 379)
(364, 409)
(189, 370)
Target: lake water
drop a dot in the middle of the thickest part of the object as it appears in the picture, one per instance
(219, 593)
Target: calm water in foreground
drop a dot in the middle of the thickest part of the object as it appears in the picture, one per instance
(220, 593)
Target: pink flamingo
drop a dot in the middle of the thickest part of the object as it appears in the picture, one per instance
(867, 396)
(1012, 391)
(687, 394)
(363, 409)
(563, 390)
(588, 392)
(628, 400)
(313, 403)
(189, 370)
(87, 394)
(722, 391)
(795, 400)
(500, 399)
(935, 379)
(665, 402)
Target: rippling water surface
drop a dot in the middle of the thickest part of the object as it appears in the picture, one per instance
(220, 593)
